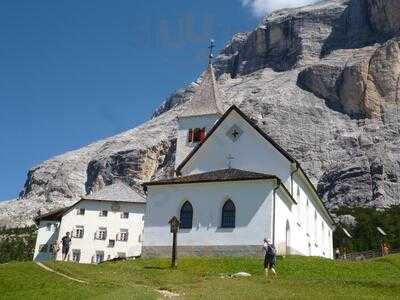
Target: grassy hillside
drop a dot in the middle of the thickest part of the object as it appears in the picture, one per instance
(206, 278)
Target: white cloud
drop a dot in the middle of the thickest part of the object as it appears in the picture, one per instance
(261, 7)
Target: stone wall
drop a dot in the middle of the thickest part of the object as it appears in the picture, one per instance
(215, 250)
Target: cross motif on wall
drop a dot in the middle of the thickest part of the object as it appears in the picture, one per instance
(230, 158)
(235, 134)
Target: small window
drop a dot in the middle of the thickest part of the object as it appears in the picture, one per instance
(76, 255)
(78, 232)
(228, 215)
(101, 233)
(103, 213)
(43, 248)
(121, 255)
(99, 256)
(111, 243)
(48, 226)
(125, 215)
(196, 135)
(80, 212)
(186, 215)
(123, 235)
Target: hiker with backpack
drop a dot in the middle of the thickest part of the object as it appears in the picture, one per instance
(270, 257)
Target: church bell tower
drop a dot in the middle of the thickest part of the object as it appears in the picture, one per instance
(199, 114)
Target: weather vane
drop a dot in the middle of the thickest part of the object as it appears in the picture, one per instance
(211, 47)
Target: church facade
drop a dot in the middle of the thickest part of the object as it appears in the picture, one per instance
(233, 187)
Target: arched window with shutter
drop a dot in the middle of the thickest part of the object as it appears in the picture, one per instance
(228, 215)
(186, 215)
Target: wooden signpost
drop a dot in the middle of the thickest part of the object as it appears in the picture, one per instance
(174, 223)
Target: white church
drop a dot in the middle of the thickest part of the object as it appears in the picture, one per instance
(234, 186)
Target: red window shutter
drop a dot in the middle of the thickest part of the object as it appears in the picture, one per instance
(190, 135)
(197, 135)
(202, 134)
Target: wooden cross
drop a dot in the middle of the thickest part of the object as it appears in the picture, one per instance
(174, 224)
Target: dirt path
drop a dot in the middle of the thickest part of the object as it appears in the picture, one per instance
(58, 273)
(163, 293)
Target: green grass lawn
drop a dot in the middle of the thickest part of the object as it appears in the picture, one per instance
(206, 278)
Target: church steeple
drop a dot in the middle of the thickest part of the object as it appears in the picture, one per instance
(200, 113)
(206, 99)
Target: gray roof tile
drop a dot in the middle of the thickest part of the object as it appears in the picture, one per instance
(205, 101)
(215, 176)
(118, 191)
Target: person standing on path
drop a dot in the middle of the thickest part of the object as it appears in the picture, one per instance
(66, 243)
(337, 253)
(269, 258)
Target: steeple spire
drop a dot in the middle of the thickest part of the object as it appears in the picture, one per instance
(205, 101)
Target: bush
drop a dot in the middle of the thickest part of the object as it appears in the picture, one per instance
(17, 243)
(365, 236)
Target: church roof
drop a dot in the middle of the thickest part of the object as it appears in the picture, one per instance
(214, 176)
(221, 176)
(206, 99)
(119, 192)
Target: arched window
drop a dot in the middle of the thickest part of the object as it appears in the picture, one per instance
(186, 215)
(308, 217)
(228, 215)
(316, 237)
(288, 243)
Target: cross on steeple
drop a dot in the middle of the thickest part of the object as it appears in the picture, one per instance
(211, 47)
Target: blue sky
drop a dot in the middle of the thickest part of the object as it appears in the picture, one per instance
(73, 72)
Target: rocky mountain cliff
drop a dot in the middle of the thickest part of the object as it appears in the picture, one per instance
(322, 80)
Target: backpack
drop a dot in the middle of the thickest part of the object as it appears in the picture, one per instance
(271, 251)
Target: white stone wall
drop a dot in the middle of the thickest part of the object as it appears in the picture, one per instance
(253, 213)
(314, 234)
(284, 217)
(250, 152)
(91, 222)
(47, 233)
(183, 147)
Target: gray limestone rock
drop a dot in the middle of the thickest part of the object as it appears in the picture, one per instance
(320, 80)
